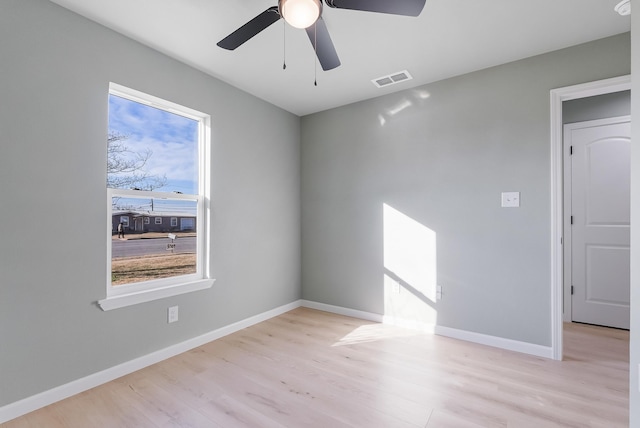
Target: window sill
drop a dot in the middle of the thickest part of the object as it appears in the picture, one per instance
(124, 300)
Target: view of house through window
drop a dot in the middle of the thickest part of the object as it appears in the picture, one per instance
(154, 194)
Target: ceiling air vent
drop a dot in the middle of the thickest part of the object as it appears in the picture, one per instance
(392, 79)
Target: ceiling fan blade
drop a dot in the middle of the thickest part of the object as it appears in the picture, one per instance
(321, 42)
(250, 29)
(394, 7)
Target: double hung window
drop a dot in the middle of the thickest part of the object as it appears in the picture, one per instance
(157, 165)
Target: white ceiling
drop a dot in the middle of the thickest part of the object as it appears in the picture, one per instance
(450, 37)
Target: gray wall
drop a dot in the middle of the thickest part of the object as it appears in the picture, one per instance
(635, 219)
(442, 154)
(55, 69)
(597, 107)
(442, 160)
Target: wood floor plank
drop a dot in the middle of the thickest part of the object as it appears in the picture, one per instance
(304, 379)
(315, 369)
(443, 419)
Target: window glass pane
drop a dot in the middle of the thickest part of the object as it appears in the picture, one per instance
(143, 250)
(151, 149)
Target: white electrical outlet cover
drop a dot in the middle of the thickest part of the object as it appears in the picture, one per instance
(172, 314)
(510, 199)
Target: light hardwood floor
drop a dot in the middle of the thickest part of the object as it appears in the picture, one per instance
(308, 368)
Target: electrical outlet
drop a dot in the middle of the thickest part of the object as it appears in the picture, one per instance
(172, 314)
(395, 287)
(511, 199)
(438, 292)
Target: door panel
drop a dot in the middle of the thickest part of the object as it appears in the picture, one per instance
(600, 286)
(600, 185)
(608, 187)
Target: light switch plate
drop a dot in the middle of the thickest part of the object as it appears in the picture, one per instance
(510, 199)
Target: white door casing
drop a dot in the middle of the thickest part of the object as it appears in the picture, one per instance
(597, 263)
(559, 295)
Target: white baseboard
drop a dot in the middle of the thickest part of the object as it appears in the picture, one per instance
(411, 325)
(482, 339)
(496, 342)
(29, 404)
(369, 316)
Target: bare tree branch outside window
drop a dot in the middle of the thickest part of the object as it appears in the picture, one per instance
(126, 168)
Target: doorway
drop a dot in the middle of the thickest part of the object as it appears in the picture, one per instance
(597, 155)
(558, 97)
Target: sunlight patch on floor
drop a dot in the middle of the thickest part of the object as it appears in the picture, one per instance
(374, 333)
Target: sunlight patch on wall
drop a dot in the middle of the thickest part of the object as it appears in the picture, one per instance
(410, 270)
(418, 98)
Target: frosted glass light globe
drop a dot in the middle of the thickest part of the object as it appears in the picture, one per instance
(300, 13)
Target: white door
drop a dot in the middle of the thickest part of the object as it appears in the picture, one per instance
(600, 193)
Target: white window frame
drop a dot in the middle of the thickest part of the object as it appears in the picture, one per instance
(146, 291)
(146, 220)
(156, 220)
(174, 222)
(124, 219)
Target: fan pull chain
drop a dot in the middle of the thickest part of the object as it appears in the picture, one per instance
(284, 45)
(315, 49)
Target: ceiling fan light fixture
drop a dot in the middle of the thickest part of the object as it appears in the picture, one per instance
(300, 13)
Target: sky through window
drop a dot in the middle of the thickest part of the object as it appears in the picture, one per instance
(171, 139)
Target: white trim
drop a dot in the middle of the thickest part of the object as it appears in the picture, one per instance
(469, 336)
(409, 324)
(153, 101)
(35, 402)
(369, 316)
(142, 291)
(123, 300)
(22, 407)
(558, 96)
(496, 342)
(591, 89)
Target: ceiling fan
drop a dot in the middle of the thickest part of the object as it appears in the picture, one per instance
(307, 14)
